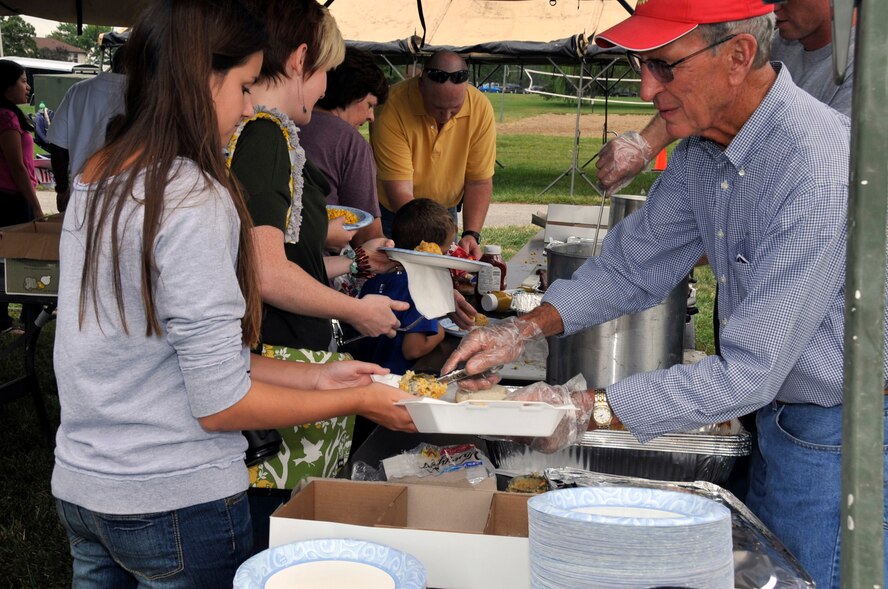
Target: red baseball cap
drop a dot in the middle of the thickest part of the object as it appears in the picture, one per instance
(659, 22)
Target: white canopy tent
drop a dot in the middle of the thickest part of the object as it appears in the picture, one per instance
(513, 30)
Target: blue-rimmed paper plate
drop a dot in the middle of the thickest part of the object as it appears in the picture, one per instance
(452, 328)
(435, 260)
(630, 506)
(335, 562)
(364, 218)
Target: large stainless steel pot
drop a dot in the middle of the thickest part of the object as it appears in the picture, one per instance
(634, 343)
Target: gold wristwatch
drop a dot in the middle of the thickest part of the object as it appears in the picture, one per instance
(601, 410)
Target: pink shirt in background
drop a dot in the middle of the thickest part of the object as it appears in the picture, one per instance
(9, 120)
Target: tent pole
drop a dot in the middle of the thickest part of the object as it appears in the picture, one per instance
(576, 150)
(862, 508)
(573, 169)
(503, 94)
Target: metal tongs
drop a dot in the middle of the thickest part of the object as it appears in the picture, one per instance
(461, 373)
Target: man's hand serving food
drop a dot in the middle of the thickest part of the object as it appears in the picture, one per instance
(491, 346)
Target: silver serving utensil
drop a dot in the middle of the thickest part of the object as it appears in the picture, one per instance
(461, 373)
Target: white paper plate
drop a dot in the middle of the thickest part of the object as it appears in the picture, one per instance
(397, 254)
(630, 506)
(479, 418)
(336, 562)
(364, 218)
(452, 328)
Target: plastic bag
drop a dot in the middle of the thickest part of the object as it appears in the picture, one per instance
(444, 464)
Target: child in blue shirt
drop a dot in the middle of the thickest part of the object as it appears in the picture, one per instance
(419, 220)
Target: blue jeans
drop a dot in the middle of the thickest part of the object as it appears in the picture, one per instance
(795, 484)
(195, 547)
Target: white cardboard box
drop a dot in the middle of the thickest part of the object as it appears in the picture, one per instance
(465, 538)
(563, 221)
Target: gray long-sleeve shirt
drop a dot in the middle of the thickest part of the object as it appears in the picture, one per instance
(130, 440)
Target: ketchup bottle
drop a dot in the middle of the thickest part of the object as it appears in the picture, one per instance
(493, 278)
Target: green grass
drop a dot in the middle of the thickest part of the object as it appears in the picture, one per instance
(511, 238)
(532, 162)
(518, 106)
(705, 299)
(33, 545)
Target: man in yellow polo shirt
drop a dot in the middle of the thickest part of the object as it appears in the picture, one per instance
(436, 138)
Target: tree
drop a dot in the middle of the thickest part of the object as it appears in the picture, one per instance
(56, 54)
(18, 37)
(88, 41)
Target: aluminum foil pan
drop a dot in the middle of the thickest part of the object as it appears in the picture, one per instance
(704, 455)
(760, 559)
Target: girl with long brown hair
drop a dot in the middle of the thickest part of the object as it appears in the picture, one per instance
(158, 306)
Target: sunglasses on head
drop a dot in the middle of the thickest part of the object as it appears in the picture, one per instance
(661, 70)
(440, 76)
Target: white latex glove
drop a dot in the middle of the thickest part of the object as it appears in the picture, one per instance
(621, 160)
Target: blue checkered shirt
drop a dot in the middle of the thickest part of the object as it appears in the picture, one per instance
(770, 212)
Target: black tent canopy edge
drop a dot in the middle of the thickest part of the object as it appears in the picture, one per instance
(569, 50)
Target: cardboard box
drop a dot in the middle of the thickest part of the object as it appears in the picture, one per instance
(563, 221)
(465, 538)
(31, 253)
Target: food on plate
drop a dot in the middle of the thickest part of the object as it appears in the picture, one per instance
(481, 320)
(495, 393)
(531, 483)
(336, 212)
(428, 247)
(422, 385)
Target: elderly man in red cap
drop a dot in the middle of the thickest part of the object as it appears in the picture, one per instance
(759, 184)
(802, 41)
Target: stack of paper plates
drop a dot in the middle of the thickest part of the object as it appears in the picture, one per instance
(613, 537)
(337, 562)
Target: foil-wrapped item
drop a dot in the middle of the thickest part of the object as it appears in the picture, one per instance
(707, 454)
(525, 302)
(760, 559)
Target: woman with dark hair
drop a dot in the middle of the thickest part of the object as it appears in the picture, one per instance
(332, 141)
(158, 306)
(18, 181)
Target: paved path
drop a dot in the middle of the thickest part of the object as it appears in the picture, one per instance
(500, 214)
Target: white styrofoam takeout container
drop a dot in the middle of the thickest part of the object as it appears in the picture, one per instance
(491, 418)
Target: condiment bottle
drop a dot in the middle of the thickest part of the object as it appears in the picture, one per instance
(493, 278)
(496, 302)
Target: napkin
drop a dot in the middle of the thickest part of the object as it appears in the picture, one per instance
(431, 289)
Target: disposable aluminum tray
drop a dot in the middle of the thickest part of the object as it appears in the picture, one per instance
(707, 454)
(760, 559)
